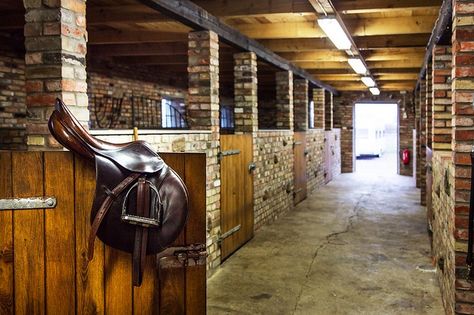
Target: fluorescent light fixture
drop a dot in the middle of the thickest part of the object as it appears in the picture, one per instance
(357, 65)
(336, 34)
(368, 81)
(374, 91)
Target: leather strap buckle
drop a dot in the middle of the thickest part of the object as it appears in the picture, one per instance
(155, 209)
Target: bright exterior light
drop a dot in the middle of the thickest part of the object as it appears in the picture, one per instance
(336, 34)
(368, 81)
(374, 91)
(357, 65)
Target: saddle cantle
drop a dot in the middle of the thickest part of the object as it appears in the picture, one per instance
(140, 204)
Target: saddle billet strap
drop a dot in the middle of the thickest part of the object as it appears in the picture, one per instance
(469, 257)
(141, 233)
(104, 208)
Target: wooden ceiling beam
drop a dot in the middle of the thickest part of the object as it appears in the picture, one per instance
(334, 55)
(363, 43)
(367, 6)
(357, 27)
(196, 17)
(131, 37)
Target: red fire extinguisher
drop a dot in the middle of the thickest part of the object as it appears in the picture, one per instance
(406, 157)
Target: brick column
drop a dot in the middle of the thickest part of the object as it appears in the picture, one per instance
(423, 141)
(203, 114)
(442, 115)
(429, 104)
(328, 111)
(319, 106)
(418, 136)
(300, 103)
(245, 92)
(56, 44)
(284, 100)
(463, 140)
(203, 71)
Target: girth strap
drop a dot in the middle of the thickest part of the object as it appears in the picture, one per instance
(469, 257)
(104, 208)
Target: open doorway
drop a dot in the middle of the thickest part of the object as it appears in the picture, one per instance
(376, 137)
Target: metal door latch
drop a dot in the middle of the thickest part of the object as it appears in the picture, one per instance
(28, 203)
(223, 154)
(252, 167)
(182, 256)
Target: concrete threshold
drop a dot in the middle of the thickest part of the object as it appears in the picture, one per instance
(357, 246)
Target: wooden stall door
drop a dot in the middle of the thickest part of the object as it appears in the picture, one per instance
(236, 192)
(43, 264)
(328, 156)
(300, 178)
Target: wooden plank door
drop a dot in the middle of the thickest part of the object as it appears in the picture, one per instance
(300, 178)
(236, 192)
(43, 264)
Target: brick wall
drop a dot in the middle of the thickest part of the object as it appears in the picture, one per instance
(273, 193)
(102, 86)
(300, 104)
(315, 159)
(463, 140)
(336, 157)
(12, 102)
(343, 119)
(429, 104)
(443, 226)
(422, 147)
(328, 110)
(319, 108)
(442, 103)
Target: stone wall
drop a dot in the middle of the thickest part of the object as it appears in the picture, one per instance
(344, 120)
(273, 177)
(443, 226)
(12, 102)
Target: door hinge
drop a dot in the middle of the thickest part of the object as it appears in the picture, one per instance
(223, 154)
(232, 231)
(297, 143)
(28, 203)
(182, 256)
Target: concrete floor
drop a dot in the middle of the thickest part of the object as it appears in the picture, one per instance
(357, 246)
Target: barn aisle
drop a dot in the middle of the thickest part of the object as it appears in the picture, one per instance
(357, 246)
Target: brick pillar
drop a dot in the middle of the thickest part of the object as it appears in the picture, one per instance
(418, 134)
(423, 141)
(300, 103)
(203, 114)
(429, 104)
(203, 72)
(442, 115)
(56, 44)
(328, 111)
(463, 140)
(319, 105)
(245, 92)
(284, 100)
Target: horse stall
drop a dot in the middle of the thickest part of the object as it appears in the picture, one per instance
(43, 252)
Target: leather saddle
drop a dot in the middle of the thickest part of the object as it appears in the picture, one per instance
(140, 204)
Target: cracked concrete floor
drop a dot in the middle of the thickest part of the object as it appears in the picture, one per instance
(357, 246)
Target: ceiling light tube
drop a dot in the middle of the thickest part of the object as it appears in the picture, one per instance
(357, 65)
(368, 81)
(374, 91)
(336, 34)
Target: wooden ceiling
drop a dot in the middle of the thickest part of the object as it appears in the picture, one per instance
(391, 35)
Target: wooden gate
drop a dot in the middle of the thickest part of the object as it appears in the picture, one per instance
(43, 265)
(328, 156)
(236, 192)
(300, 178)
